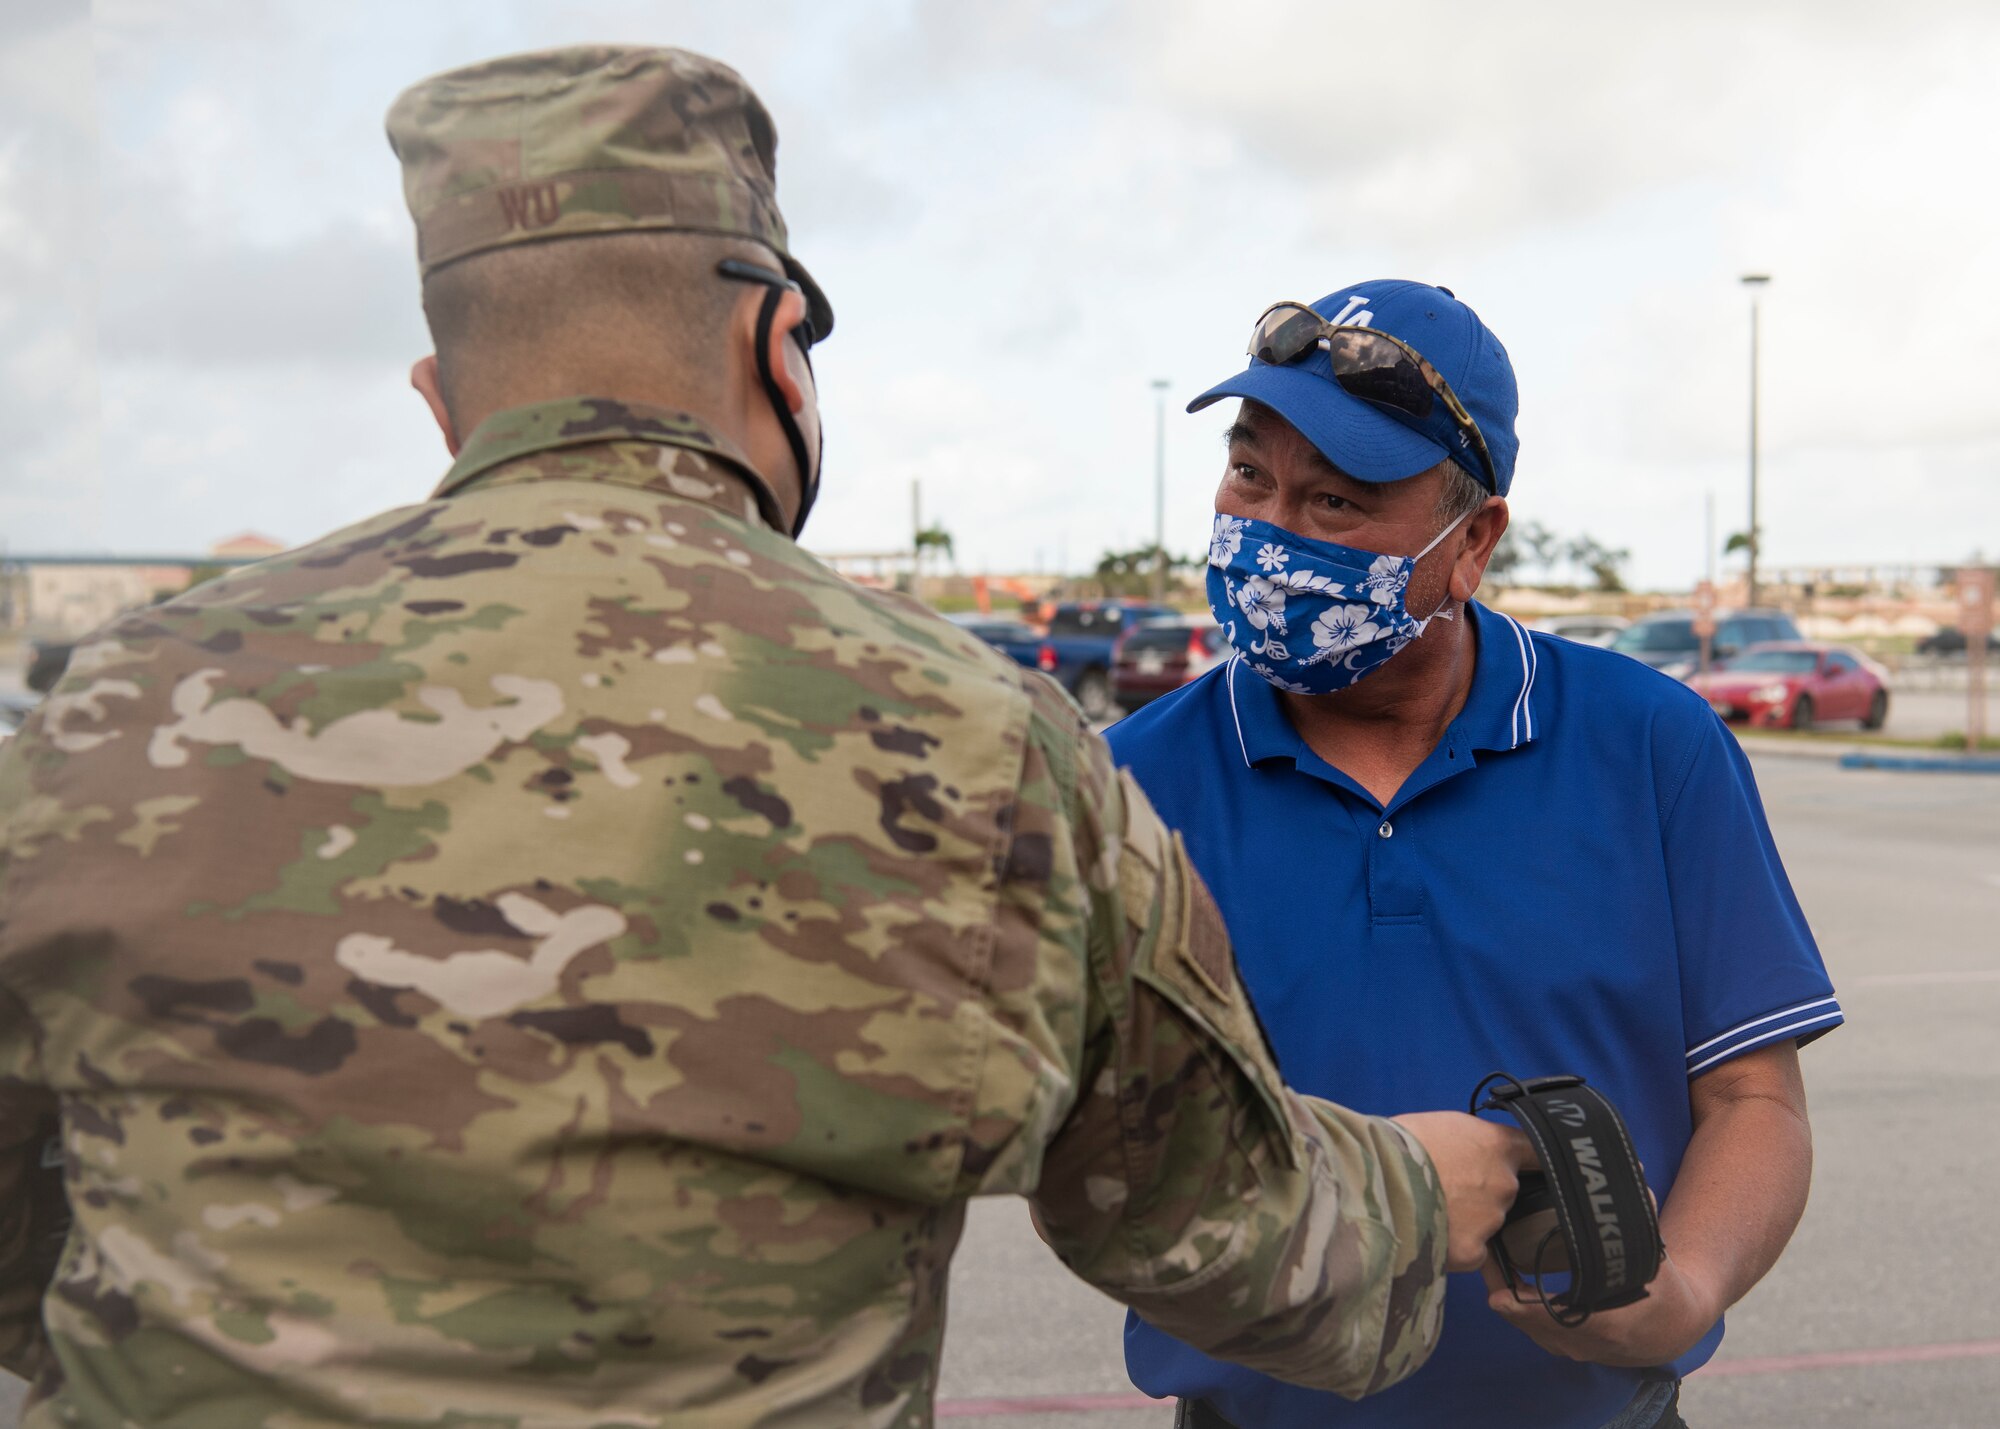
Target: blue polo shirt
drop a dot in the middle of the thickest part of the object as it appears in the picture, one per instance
(1578, 879)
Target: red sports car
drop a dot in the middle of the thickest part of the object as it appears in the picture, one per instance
(1793, 684)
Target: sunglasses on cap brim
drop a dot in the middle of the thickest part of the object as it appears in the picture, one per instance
(742, 272)
(1371, 365)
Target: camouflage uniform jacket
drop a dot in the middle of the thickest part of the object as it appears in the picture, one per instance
(558, 956)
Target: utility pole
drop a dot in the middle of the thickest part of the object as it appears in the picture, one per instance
(1160, 385)
(916, 538)
(1975, 619)
(1754, 282)
(1708, 534)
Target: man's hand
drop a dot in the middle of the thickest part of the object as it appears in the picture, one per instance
(1741, 1187)
(1675, 1314)
(1479, 1164)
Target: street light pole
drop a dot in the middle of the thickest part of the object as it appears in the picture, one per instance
(1708, 537)
(1754, 282)
(1160, 385)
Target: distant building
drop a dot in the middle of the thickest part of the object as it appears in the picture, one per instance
(248, 546)
(64, 601)
(63, 596)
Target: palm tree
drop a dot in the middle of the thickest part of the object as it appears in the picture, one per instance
(935, 537)
(932, 538)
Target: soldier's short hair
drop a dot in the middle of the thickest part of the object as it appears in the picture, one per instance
(650, 299)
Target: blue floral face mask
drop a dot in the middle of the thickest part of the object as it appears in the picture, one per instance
(1310, 616)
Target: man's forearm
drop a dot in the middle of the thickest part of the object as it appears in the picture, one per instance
(1743, 1182)
(1327, 1273)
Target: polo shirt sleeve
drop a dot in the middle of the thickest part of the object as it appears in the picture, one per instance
(1750, 971)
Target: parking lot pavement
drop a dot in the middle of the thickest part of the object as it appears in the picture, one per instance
(1926, 714)
(1901, 877)
(1881, 1314)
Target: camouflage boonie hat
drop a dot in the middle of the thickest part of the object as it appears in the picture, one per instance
(592, 139)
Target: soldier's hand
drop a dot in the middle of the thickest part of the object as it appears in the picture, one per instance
(1479, 1164)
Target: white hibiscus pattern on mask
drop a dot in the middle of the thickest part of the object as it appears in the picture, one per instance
(1303, 580)
(1341, 628)
(1262, 603)
(1273, 677)
(1225, 540)
(1385, 579)
(1272, 558)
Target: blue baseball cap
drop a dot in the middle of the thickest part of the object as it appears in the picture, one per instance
(1373, 443)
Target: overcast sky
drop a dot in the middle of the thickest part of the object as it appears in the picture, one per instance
(1024, 212)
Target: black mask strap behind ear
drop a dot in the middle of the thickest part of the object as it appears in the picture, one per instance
(808, 472)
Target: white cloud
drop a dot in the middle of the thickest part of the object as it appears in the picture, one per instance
(49, 479)
(1025, 212)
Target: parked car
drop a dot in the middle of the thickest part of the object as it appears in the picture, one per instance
(1160, 656)
(1793, 685)
(1078, 646)
(1584, 629)
(1950, 640)
(1016, 638)
(1667, 641)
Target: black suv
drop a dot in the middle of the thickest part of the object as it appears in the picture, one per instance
(1950, 640)
(1667, 641)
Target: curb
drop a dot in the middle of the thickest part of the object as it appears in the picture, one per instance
(1800, 749)
(1850, 755)
(1946, 764)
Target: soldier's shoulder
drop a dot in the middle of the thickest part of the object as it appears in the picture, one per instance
(1054, 721)
(907, 617)
(329, 560)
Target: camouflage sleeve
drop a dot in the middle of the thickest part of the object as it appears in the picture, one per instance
(30, 1194)
(1278, 1231)
(30, 1206)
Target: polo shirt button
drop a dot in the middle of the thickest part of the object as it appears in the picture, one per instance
(1386, 830)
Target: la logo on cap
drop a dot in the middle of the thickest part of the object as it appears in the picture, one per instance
(1350, 317)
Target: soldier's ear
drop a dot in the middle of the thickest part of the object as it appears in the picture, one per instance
(424, 377)
(787, 360)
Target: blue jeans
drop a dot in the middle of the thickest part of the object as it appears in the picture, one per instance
(1655, 1406)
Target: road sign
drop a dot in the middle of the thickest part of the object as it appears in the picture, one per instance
(1975, 604)
(1704, 610)
(1975, 619)
(1704, 622)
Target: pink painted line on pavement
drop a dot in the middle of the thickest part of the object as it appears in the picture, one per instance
(1844, 1359)
(1769, 1364)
